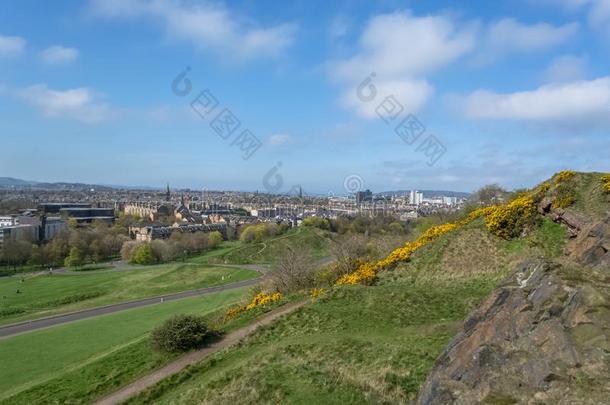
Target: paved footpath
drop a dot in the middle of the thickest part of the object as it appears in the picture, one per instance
(28, 326)
(232, 338)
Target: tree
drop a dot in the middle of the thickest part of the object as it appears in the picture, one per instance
(293, 270)
(214, 239)
(347, 250)
(16, 253)
(75, 258)
(490, 195)
(128, 250)
(144, 255)
(317, 222)
(162, 251)
(37, 256)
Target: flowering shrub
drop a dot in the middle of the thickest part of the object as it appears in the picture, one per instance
(258, 300)
(606, 183)
(316, 292)
(508, 221)
(564, 176)
(366, 273)
(263, 298)
(564, 196)
(563, 202)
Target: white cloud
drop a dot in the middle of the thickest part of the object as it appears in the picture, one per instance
(11, 46)
(206, 25)
(401, 49)
(598, 11)
(576, 101)
(401, 44)
(599, 14)
(57, 55)
(567, 68)
(80, 104)
(280, 139)
(412, 94)
(509, 36)
(338, 27)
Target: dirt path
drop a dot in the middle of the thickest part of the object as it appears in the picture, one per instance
(172, 368)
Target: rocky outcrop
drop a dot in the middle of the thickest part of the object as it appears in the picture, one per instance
(541, 337)
(592, 246)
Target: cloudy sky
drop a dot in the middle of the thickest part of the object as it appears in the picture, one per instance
(245, 94)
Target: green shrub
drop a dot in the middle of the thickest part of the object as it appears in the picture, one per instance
(215, 238)
(180, 333)
(317, 222)
(144, 255)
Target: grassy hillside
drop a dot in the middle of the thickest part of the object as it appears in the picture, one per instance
(364, 344)
(376, 343)
(44, 295)
(267, 251)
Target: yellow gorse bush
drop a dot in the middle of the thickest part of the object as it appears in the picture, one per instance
(316, 292)
(263, 298)
(606, 183)
(564, 176)
(366, 273)
(508, 221)
(258, 300)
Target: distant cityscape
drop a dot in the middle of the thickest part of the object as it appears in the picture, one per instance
(37, 212)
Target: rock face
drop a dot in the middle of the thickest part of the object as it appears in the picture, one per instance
(543, 336)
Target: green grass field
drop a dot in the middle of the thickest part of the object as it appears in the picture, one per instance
(79, 361)
(45, 295)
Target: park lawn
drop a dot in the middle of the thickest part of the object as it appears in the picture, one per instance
(44, 295)
(80, 361)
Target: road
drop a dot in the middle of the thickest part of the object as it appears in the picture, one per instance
(28, 326)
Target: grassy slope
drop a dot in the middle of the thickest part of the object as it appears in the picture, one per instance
(267, 251)
(591, 201)
(80, 361)
(363, 344)
(45, 295)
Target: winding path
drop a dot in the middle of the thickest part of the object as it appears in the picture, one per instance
(175, 367)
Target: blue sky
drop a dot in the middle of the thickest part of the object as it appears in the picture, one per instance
(508, 91)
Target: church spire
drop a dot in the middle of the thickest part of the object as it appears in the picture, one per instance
(167, 193)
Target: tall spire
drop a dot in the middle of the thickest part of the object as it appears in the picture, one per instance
(167, 193)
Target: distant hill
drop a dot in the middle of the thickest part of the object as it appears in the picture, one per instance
(13, 183)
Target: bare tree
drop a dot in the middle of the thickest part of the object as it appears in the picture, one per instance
(347, 250)
(293, 270)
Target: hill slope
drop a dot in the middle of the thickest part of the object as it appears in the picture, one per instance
(378, 343)
(544, 334)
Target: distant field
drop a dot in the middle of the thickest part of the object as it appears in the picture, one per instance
(45, 295)
(80, 361)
